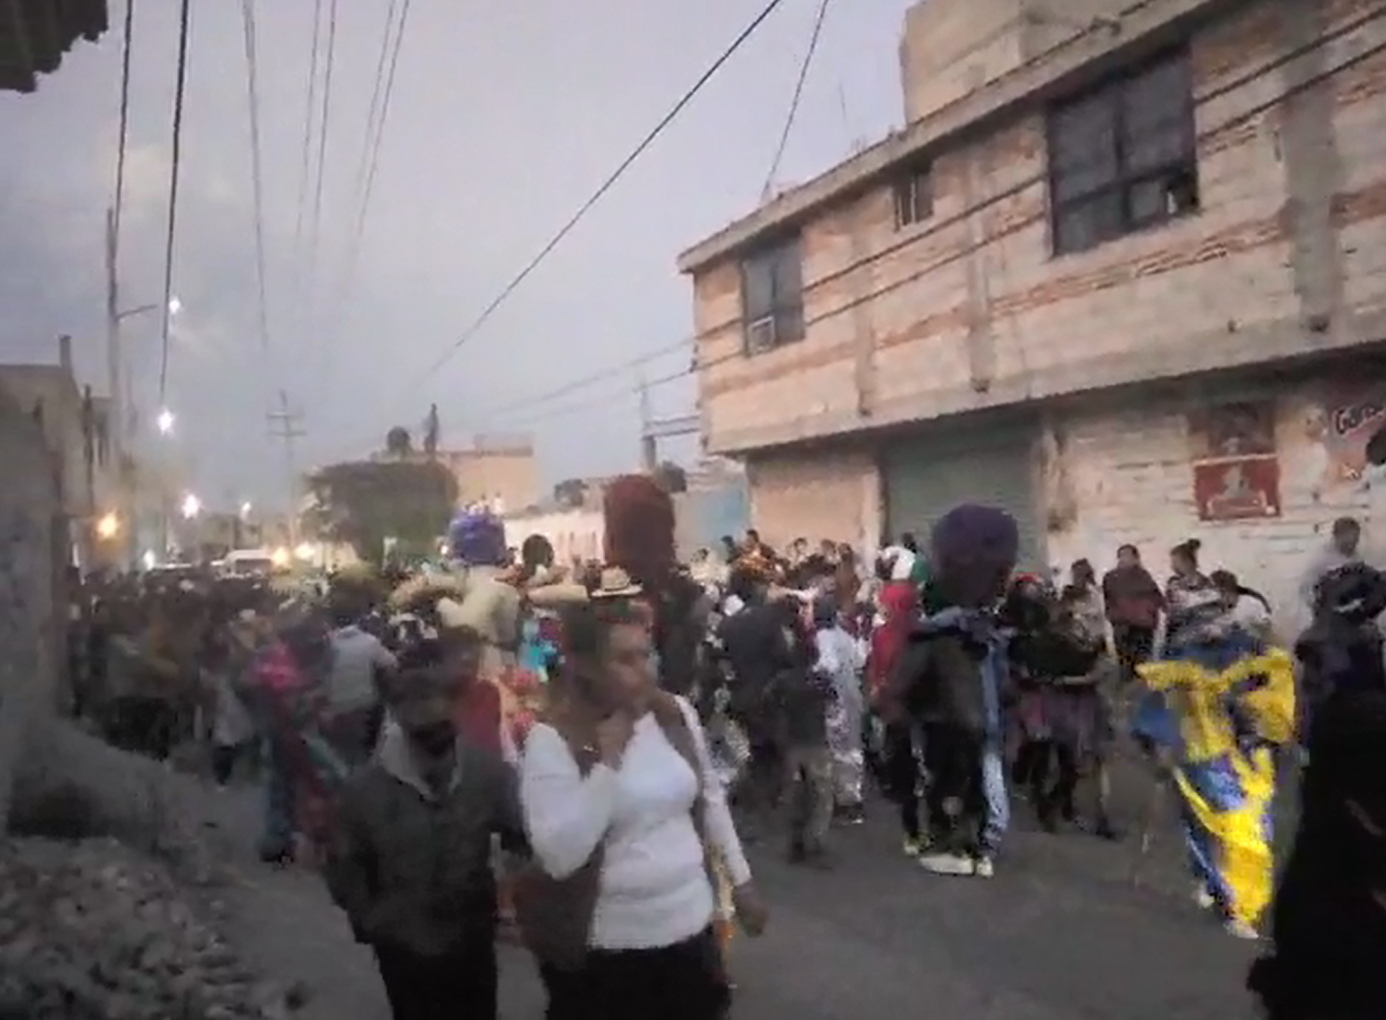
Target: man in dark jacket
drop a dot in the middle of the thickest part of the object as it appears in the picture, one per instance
(410, 862)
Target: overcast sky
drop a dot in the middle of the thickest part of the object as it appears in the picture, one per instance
(505, 117)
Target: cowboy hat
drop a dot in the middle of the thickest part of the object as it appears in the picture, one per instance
(616, 583)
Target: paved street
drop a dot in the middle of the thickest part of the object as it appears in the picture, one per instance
(1060, 934)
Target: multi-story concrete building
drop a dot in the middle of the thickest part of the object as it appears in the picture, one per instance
(76, 428)
(1123, 272)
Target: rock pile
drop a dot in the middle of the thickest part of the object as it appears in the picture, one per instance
(92, 930)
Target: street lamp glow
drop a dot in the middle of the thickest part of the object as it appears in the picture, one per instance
(174, 306)
(164, 423)
(108, 527)
(192, 506)
(245, 509)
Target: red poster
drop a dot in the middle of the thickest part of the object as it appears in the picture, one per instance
(1237, 488)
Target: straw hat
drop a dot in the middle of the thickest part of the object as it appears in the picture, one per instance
(616, 583)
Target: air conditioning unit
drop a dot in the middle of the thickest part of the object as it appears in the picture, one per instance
(760, 336)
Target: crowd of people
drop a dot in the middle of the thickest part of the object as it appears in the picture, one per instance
(574, 757)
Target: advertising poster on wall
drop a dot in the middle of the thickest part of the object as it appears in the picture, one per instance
(1353, 412)
(1236, 467)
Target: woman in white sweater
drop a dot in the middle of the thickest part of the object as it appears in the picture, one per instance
(633, 801)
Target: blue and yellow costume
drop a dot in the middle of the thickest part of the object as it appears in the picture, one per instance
(1217, 708)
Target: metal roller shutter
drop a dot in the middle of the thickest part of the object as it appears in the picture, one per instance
(926, 476)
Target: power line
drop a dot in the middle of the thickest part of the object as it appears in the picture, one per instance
(184, 19)
(124, 141)
(380, 115)
(1231, 122)
(257, 182)
(582, 383)
(915, 237)
(490, 310)
(309, 119)
(324, 130)
(795, 100)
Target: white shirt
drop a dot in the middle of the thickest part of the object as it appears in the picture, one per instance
(654, 889)
(356, 656)
(901, 562)
(1252, 615)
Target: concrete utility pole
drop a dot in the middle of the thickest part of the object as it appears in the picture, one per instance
(286, 425)
(649, 448)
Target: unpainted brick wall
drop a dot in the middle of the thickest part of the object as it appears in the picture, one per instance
(31, 570)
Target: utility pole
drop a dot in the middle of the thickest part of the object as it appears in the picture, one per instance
(285, 424)
(126, 503)
(649, 445)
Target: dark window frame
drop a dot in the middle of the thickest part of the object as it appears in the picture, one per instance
(1174, 176)
(910, 209)
(780, 266)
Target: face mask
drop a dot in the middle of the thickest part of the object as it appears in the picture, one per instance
(435, 738)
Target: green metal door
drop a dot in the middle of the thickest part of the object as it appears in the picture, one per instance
(926, 476)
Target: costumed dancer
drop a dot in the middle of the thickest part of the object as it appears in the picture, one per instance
(488, 604)
(950, 680)
(840, 657)
(1219, 704)
(288, 698)
(640, 539)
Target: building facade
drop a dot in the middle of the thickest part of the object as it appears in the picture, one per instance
(1123, 273)
(501, 472)
(77, 431)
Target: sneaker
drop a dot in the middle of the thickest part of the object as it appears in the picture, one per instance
(1204, 898)
(1241, 930)
(913, 847)
(983, 867)
(947, 864)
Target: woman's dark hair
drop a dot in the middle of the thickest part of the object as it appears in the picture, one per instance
(1082, 568)
(1226, 581)
(1188, 550)
(587, 626)
(426, 653)
(536, 551)
(1128, 547)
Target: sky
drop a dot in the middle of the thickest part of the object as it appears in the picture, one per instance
(505, 117)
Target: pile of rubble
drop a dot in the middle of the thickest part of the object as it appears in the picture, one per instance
(92, 930)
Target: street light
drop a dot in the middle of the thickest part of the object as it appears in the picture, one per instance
(245, 509)
(108, 527)
(165, 422)
(192, 506)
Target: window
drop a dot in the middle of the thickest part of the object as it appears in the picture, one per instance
(914, 197)
(772, 297)
(1123, 157)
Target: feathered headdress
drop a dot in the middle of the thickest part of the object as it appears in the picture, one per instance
(639, 526)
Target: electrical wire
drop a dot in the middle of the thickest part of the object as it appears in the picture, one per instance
(176, 161)
(621, 168)
(370, 156)
(123, 143)
(309, 121)
(377, 116)
(256, 165)
(915, 237)
(601, 375)
(795, 100)
(324, 131)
